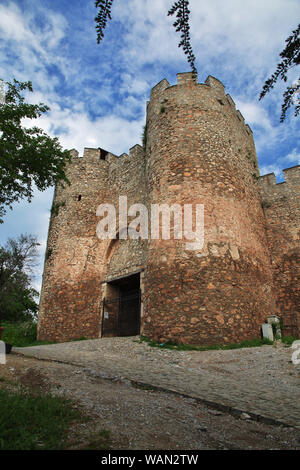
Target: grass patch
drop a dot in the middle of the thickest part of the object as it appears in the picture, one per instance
(34, 422)
(189, 347)
(288, 340)
(82, 338)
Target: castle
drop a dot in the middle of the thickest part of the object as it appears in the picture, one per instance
(197, 150)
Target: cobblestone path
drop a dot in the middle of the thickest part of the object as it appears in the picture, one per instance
(262, 381)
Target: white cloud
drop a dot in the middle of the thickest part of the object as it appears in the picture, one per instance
(266, 169)
(251, 32)
(19, 26)
(293, 157)
(78, 130)
(254, 114)
(33, 44)
(14, 27)
(131, 84)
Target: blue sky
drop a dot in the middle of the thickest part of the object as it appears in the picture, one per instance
(98, 93)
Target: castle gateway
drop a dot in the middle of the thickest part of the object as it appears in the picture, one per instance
(198, 152)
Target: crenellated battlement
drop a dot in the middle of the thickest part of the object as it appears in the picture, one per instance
(212, 92)
(97, 155)
(104, 157)
(292, 175)
(269, 185)
(210, 95)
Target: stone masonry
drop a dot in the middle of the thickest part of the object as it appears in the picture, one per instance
(198, 150)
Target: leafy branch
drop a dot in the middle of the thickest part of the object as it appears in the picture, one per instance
(291, 58)
(180, 8)
(104, 13)
(28, 156)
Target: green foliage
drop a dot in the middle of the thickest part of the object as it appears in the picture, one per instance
(181, 8)
(17, 262)
(144, 137)
(288, 340)
(28, 156)
(276, 328)
(20, 334)
(36, 422)
(23, 333)
(190, 347)
(291, 58)
(82, 338)
(56, 206)
(18, 303)
(104, 13)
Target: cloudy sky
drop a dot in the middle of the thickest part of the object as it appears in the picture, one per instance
(97, 93)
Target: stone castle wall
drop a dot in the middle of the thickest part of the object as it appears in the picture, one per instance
(76, 261)
(281, 203)
(198, 151)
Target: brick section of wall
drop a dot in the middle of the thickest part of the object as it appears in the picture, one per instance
(281, 203)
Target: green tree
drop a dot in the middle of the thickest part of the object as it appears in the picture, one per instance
(290, 58)
(180, 8)
(28, 156)
(18, 260)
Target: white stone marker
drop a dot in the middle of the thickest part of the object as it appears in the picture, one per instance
(267, 331)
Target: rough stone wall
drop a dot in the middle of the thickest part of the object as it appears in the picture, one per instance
(281, 203)
(77, 262)
(199, 151)
(126, 178)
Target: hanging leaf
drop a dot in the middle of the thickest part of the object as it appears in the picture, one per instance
(291, 58)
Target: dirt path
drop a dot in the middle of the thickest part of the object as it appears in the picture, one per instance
(260, 381)
(145, 419)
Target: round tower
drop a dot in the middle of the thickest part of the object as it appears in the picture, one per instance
(199, 151)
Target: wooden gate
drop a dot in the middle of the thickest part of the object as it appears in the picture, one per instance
(121, 315)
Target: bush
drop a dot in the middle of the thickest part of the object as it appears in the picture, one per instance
(20, 333)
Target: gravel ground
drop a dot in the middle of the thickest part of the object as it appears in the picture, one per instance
(260, 381)
(143, 419)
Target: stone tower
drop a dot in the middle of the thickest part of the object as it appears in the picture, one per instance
(198, 151)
